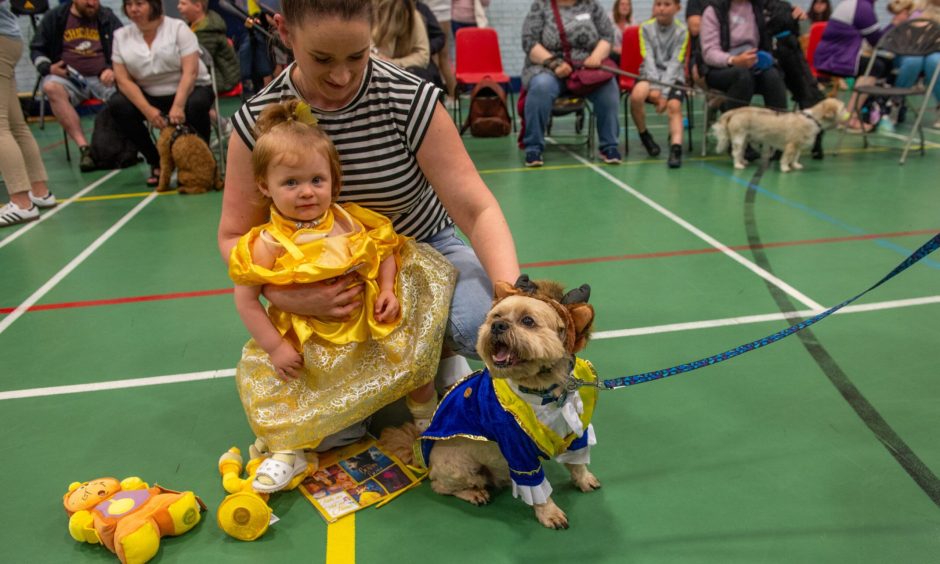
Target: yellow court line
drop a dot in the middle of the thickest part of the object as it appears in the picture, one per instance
(122, 196)
(341, 541)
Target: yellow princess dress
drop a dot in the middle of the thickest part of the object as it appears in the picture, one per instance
(351, 368)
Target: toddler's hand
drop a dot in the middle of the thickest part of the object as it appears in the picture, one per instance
(287, 362)
(386, 307)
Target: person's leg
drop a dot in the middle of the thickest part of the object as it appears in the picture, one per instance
(473, 294)
(606, 100)
(909, 68)
(770, 85)
(443, 60)
(735, 82)
(540, 96)
(132, 124)
(674, 113)
(931, 62)
(638, 104)
(197, 111)
(62, 100)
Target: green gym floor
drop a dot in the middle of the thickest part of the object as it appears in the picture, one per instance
(119, 339)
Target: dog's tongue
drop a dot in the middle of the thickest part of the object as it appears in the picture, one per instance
(501, 354)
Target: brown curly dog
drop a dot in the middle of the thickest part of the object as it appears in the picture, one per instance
(180, 147)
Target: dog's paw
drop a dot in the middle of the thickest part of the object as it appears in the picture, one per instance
(784, 168)
(796, 166)
(476, 496)
(740, 166)
(550, 515)
(586, 482)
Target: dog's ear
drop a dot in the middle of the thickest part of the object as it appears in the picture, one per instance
(503, 289)
(582, 315)
(524, 284)
(579, 295)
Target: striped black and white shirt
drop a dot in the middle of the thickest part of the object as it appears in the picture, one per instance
(377, 136)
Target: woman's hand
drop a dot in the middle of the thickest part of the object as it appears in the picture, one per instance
(386, 307)
(177, 115)
(592, 62)
(287, 362)
(155, 117)
(563, 70)
(745, 60)
(330, 300)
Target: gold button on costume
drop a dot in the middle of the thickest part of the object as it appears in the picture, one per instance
(351, 368)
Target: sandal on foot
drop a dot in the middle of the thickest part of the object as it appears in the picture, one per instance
(154, 177)
(280, 473)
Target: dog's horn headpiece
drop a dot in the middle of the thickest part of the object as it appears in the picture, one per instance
(572, 307)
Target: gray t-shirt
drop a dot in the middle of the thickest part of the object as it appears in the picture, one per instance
(9, 24)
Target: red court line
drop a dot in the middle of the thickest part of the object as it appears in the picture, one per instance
(588, 260)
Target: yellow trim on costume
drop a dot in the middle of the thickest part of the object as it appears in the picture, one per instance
(547, 440)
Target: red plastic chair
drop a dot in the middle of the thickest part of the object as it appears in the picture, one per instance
(630, 61)
(478, 56)
(815, 35)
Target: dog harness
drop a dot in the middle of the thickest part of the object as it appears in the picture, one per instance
(484, 408)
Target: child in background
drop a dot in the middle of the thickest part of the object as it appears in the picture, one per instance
(622, 15)
(302, 379)
(663, 43)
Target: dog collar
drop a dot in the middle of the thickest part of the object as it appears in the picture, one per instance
(547, 395)
(807, 113)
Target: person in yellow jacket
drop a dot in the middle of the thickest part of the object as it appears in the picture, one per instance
(303, 379)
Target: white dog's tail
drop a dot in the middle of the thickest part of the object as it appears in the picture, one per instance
(720, 133)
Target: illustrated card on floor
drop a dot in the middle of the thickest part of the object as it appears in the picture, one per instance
(354, 477)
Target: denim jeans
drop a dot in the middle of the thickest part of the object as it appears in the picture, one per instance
(473, 294)
(541, 93)
(909, 68)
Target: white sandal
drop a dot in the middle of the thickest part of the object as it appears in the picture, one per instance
(281, 473)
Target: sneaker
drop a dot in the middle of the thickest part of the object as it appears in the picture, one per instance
(675, 156)
(611, 156)
(533, 158)
(12, 214)
(86, 163)
(46, 202)
(651, 147)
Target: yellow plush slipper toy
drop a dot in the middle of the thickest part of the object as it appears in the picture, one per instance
(244, 514)
(128, 516)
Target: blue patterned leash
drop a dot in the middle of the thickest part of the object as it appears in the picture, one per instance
(614, 383)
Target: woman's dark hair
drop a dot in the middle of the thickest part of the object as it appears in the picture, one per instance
(296, 11)
(823, 17)
(156, 8)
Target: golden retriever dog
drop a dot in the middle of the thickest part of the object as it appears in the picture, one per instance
(495, 427)
(789, 132)
(180, 147)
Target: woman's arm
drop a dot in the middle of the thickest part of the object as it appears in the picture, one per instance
(386, 304)
(132, 92)
(188, 72)
(243, 207)
(287, 362)
(445, 162)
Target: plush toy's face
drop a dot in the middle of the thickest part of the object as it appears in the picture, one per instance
(91, 493)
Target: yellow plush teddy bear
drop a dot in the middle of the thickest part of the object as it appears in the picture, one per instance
(128, 516)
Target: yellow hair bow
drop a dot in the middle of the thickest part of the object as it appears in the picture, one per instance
(304, 114)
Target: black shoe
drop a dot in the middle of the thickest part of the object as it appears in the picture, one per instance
(86, 163)
(675, 156)
(651, 147)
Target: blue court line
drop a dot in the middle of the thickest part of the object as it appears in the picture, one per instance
(815, 213)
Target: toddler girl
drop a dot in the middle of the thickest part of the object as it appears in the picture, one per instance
(303, 379)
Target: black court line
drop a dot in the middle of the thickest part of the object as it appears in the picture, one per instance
(894, 444)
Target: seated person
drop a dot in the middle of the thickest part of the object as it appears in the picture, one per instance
(399, 36)
(76, 35)
(437, 40)
(663, 44)
(209, 28)
(589, 33)
(160, 78)
(839, 50)
(911, 67)
(622, 15)
(732, 32)
(820, 11)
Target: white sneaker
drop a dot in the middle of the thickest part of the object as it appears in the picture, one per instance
(47, 201)
(12, 214)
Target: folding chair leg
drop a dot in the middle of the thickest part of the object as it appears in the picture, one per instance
(705, 126)
(689, 118)
(626, 124)
(512, 105)
(65, 140)
(918, 126)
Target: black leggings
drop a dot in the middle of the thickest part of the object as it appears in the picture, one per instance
(741, 84)
(132, 124)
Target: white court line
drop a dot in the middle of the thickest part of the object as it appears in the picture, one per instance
(915, 143)
(674, 327)
(790, 290)
(52, 282)
(64, 203)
